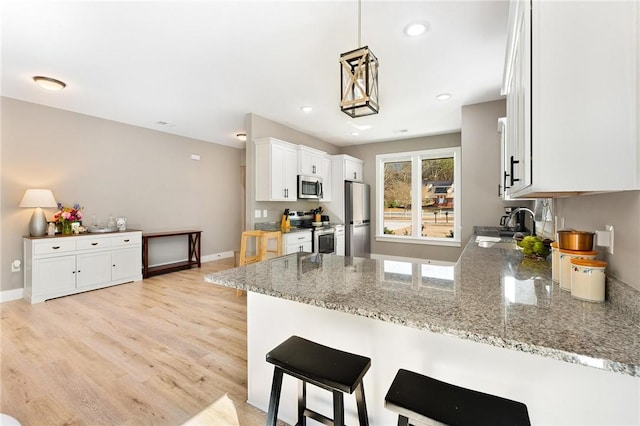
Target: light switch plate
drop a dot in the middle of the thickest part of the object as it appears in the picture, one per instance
(258, 213)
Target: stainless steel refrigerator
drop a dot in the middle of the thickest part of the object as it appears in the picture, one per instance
(356, 209)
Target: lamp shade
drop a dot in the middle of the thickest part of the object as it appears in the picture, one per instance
(38, 198)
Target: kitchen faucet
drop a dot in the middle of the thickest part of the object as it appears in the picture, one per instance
(533, 217)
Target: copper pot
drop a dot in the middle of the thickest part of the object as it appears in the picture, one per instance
(575, 240)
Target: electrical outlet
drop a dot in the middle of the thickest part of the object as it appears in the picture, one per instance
(264, 213)
(258, 213)
(16, 266)
(610, 229)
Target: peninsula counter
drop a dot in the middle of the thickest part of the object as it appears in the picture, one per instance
(490, 322)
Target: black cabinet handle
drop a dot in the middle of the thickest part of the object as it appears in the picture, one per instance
(55, 247)
(504, 183)
(355, 175)
(126, 241)
(513, 162)
(313, 169)
(94, 244)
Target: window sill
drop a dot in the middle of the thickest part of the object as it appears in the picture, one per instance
(408, 240)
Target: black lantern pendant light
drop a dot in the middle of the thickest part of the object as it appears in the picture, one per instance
(359, 79)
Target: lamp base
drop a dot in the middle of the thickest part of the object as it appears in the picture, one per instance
(38, 223)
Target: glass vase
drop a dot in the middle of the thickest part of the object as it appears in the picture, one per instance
(66, 228)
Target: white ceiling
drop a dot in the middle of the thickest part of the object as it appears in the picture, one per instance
(203, 65)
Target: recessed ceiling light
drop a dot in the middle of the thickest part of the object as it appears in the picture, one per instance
(241, 137)
(443, 96)
(49, 83)
(306, 108)
(362, 126)
(416, 29)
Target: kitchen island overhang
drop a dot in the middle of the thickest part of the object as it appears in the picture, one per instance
(481, 329)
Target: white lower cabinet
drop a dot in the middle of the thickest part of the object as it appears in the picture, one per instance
(93, 269)
(297, 241)
(339, 238)
(59, 266)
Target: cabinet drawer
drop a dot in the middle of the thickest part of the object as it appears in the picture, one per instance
(126, 240)
(54, 246)
(297, 238)
(86, 243)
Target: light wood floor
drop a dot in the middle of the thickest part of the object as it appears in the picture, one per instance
(165, 351)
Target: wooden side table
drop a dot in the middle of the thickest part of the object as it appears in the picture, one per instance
(193, 259)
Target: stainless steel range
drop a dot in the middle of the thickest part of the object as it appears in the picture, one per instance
(324, 236)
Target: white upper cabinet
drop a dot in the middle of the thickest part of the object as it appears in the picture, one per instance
(315, 163)
(276, 170)
(310, 161)
(571, 80)
(348, 168)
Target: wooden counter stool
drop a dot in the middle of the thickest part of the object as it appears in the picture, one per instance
(262, 247)
(422, 399)
(331, 369)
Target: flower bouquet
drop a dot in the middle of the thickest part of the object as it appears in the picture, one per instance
(68, 215)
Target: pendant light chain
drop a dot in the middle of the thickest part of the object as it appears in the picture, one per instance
(359, 23)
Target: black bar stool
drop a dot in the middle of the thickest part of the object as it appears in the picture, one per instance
(331, 369)
(421, 398)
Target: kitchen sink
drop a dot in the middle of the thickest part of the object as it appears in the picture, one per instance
(500, 244)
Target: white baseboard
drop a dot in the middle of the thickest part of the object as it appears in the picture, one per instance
(9, 295)
(217, 256)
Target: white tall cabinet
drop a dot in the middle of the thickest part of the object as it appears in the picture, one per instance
(276, 170)
(63, 265)
(571, 80)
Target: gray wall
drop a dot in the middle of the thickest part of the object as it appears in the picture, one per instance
(259, 127)
(367, 153)
(113, 168)
(480, 156)
(620, 209)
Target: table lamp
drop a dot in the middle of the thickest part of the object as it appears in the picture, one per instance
(38, 198)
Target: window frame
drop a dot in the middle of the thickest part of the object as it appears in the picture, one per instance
(416, 158)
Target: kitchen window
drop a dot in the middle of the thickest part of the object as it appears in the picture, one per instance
(420, 201)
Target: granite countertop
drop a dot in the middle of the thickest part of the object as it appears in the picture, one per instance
(489, 296)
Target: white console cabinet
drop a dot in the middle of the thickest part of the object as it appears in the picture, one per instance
(62, 265)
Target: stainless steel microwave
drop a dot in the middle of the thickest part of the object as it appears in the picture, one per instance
(309, 187)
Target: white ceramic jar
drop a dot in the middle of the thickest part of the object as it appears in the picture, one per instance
(565, 264)
(588, 279)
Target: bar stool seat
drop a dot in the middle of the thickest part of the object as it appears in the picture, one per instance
(424, 399)
(336, 371)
